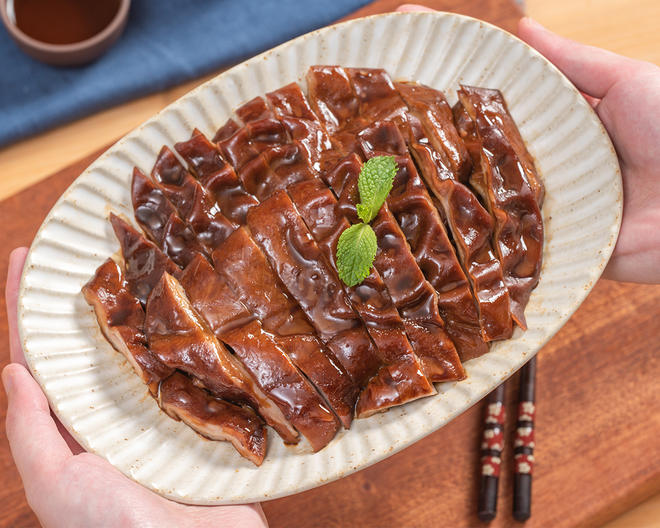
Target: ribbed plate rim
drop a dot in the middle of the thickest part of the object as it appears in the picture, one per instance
(595, 271)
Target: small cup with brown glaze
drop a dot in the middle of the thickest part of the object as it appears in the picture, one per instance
(64, 32)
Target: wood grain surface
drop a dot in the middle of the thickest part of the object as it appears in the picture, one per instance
(597, 431)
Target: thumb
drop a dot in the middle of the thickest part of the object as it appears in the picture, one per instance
(593, 70)
(36, 445)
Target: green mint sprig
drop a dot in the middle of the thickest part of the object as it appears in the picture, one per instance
(357, 245)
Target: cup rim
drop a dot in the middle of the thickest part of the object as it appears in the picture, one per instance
(106, 32)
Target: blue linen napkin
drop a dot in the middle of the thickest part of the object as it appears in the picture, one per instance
(165, 43)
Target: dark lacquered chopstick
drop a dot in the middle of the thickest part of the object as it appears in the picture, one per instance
(491, 454)
(523, 445)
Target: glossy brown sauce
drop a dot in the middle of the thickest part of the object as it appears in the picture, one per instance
(64, 21)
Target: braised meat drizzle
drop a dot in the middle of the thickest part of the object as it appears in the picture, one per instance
(227, 301)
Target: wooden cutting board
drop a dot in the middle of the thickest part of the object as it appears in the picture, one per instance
(598, 424)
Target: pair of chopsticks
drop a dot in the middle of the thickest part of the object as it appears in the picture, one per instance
(523, 448)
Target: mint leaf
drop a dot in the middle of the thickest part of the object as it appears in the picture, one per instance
(374, 184)
(356, 251)
(357, 245)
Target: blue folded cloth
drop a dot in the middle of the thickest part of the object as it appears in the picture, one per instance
(165, 43)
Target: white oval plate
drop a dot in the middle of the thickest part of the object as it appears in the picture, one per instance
(106, 407)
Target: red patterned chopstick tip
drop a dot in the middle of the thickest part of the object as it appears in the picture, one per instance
(493, 439)
(523, 443)
(524, 439)
(491, 454)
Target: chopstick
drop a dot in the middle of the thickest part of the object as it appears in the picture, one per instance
(491, 454)
(523, 445)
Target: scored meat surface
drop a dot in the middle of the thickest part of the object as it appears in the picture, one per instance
(214, 418)
(259, 352)
(121, 318)
(230, 307)
(240, 260)
(180, 338)
(510, 188)
(303, 269)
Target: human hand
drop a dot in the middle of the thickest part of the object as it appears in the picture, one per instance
(625, 94)
(66, 486)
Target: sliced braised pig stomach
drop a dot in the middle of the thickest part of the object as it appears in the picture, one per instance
(290, 102)
(402, 371)
(259, 352)
(430, 107)
(471, 228)
(251, 139)
(444, 163)
(181, 339)
(144, 262)
(510, 188)
(242, 263)
(217, 176)
(425, 231)
(283, 236)
(278, 168)
(121, 319)
(193, 203)
(159, 219)
(303, 270)
(214, 418)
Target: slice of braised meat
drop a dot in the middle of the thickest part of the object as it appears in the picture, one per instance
(242, 263)
(402, 371)
(413, 295)
(151, 207)
(213, 418)
(226, 131)
(144, 261)
(506, 180)
(217, 176)
(332, 97)
(159, 219)
(276, 168)
(254, 110)
(121, 319)
(293, 110)
(429, 108)
(181, 339)
(259, 352)
(425, 231)
(248, 141)
(193, 203)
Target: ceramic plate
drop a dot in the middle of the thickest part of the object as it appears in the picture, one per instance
(104, 405)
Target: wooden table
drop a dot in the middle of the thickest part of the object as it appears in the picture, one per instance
(627, 27)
